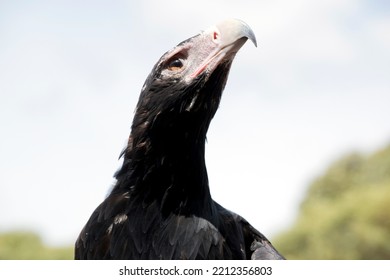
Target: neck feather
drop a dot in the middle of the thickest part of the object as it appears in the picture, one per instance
(165, 163)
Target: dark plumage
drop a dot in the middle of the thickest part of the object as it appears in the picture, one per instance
(160, 206)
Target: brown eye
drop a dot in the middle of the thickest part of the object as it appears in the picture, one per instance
(175, 64)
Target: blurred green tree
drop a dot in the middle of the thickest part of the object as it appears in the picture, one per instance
(346, 214)
(20, 245)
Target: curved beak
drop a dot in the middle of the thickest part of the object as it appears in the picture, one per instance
(226, 39)
(232, 30)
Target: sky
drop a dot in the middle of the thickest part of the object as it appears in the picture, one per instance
(316, 87)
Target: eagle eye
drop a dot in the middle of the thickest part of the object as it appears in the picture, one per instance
(175, 64)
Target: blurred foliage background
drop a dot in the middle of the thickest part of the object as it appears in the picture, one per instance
(24, 245)
(345, 215)
(346, 212)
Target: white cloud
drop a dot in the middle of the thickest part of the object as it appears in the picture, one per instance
(379, 28)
